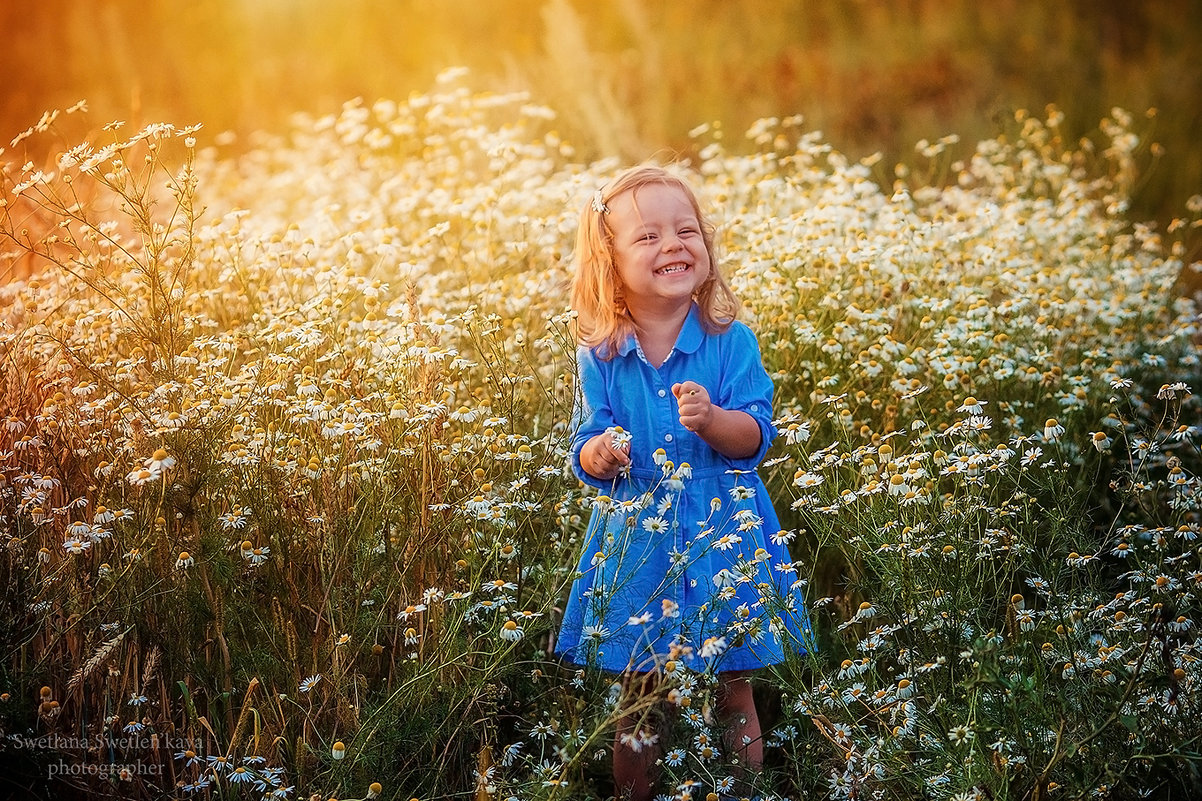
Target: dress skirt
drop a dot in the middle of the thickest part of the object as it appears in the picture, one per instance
(666, 575)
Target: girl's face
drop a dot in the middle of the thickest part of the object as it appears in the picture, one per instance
(659, 251)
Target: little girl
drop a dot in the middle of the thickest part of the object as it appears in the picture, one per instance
(684, 562)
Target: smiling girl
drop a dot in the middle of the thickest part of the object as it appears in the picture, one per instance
(684, 562)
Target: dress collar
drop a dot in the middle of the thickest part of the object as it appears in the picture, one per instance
(687, 341)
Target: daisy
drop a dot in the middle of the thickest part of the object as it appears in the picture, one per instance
(960, 734)
(79, 530)
(782, 537)
(28, 443)
(233, 520)
(727, 541)
(142, 476)
(618, 436)
(241, 774)
(414, 609)
(160, 461)
(747, 520)
(595, 633)
(189, 757)
(741, 493)
(1052, 430)
(541, 731)
(77, 546)
(806, 480)
(1169, 391)
(724, 578)
(1183, 432)
(655, 525)
(218, 764)
(511, 753)
(972, 406)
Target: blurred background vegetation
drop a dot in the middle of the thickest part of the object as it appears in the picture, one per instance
(631, 78)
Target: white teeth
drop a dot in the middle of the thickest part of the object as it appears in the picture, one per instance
(675, 268)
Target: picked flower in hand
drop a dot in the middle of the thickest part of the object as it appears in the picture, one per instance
(618, 436)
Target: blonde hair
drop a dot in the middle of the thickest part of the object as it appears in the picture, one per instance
(603, 320)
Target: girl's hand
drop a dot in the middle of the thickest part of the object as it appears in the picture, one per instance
(730, 432)
(602, 458)
(696, 409)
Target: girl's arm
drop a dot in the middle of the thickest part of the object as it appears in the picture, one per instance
(732, 433)
(594, 460)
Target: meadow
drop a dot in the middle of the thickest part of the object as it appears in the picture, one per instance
(284, 495)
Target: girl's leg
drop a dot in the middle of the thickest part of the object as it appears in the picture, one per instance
(736, 705)
(636, 742)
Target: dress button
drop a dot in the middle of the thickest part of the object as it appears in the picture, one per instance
(663, 392)
(667, 437)
(755, 407)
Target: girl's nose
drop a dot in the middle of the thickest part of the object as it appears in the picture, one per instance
(672, 242)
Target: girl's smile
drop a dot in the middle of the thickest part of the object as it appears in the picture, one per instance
(672, 269)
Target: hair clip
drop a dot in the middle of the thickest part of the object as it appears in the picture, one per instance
(599, 204)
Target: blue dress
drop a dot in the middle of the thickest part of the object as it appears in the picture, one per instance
(682, 558)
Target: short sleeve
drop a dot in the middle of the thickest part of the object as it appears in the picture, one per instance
(592, 412)
(746, 387)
